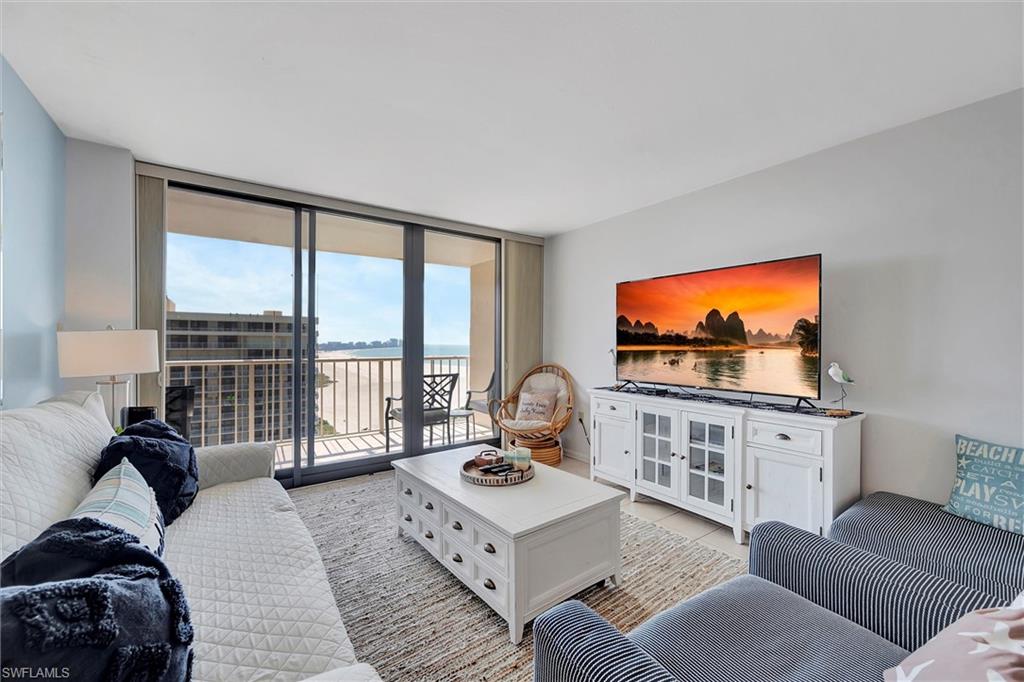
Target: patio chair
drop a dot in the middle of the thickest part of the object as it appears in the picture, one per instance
(543, 438)
(438, 390)
(490, 393)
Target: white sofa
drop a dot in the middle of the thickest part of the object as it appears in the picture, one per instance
(261, 605)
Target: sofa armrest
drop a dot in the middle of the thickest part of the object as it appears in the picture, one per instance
(238, 462)
(897, 602)
(571, 643)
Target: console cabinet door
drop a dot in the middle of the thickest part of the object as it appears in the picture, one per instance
(783, 487)
(613, 449)
(657, 460)
(708, 462)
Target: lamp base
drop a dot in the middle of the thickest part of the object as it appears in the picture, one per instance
(112, 384)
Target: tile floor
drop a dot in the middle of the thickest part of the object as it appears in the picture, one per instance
(672, 518)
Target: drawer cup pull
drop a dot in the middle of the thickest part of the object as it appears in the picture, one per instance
(750, 487)
(489, 548)
(407, 491)
(782, 436)
(407, 517)
(428, 535)
(611, 407)
(456, 526)
(457, 558)
(489, 584)
(428, 506)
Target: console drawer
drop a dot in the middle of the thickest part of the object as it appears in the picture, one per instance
(784, 437)
(612, 408)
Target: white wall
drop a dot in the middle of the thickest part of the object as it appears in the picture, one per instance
(99, 274)
(920, 228)
(33, 244)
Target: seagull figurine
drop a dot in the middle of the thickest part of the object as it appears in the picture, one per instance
(840, 376)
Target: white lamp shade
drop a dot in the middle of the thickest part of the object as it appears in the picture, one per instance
(107, 353)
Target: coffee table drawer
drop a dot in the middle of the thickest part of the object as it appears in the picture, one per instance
(406, 490)
(457, 559)
(430, 506)
(456, 524)
(491, 587)
(406, 519)
(429, 536)
(492, 550)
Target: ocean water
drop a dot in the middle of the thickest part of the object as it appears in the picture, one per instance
(428, 350)
(779, 370)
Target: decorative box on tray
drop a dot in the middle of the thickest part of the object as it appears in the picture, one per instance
(494, 468)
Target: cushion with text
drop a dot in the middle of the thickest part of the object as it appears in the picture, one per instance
(989, 485)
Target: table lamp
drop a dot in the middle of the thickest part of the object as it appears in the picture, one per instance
(108, 353)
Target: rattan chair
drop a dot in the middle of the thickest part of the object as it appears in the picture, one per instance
(543, 438)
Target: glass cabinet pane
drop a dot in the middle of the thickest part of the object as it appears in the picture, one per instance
(649, 445)
(716, 462)
(696, 458)
(649, 422)
(716, 492)
(697, 430)
(664, 427)
(716, 435)
(696, 486)
(665, 475)
(648, 471)
(664, 450)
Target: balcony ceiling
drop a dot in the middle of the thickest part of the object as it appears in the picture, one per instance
(536, 117)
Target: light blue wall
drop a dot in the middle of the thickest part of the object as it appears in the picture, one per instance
(33, 244)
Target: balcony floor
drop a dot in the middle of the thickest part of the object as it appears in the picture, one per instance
(332, 449)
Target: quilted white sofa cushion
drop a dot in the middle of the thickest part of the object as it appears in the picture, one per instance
(261, 603)
(47, 455)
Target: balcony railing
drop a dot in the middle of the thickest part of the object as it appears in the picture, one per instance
(251, 400)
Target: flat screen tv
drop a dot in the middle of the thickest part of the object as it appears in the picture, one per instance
(748, 328)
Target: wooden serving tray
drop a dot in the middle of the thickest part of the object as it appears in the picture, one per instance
(471, 474)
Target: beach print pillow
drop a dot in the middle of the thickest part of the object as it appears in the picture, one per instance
(989, 486)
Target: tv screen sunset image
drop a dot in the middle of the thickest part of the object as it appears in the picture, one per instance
(751, 328)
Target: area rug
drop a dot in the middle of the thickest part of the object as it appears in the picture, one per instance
(413, 621)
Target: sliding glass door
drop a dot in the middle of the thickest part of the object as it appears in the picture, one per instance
(395, 351)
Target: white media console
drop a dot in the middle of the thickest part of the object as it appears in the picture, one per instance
(735, 464)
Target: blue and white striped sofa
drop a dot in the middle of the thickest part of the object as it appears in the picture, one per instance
(923, 535)
(812, 608)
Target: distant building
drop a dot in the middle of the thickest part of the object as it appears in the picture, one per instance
(239, 366)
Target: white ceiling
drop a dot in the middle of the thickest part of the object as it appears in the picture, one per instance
(536, 117)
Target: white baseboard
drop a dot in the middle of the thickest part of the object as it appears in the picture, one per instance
(573, 454)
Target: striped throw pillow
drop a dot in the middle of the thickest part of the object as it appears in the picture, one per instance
(122, 498)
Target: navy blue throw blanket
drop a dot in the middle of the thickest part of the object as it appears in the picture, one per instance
(165, 459)
(86, 601)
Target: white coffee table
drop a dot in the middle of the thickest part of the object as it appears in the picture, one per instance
(521, 548)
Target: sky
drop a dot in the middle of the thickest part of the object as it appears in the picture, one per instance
(359, 298)
(769, 296)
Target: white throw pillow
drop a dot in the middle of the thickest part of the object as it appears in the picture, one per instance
(122, 498)
(536, 406)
